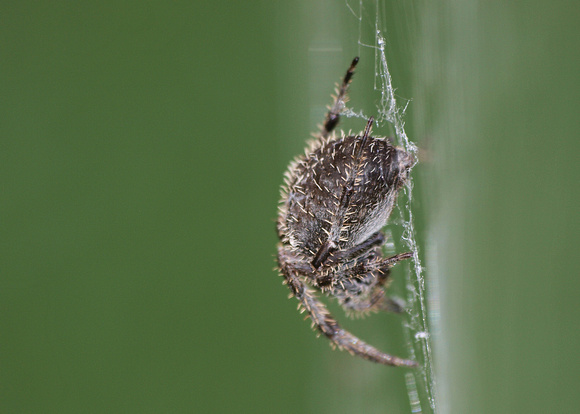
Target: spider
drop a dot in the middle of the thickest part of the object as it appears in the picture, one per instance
(334, 203)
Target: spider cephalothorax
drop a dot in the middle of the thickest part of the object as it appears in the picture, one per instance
(335, 200)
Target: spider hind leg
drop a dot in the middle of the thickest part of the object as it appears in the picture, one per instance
(327, 325)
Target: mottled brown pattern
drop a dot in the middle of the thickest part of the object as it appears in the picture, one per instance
(335, 200)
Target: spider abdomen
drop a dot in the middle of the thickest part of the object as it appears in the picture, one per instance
(316, 184)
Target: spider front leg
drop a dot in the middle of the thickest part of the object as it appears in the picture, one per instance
(333, 115)
(325, 323)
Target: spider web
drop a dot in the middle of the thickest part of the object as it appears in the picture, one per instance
(420, 382)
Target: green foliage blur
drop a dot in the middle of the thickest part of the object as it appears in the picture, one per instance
(141, 150)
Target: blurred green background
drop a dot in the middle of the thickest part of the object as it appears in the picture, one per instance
(142, 146)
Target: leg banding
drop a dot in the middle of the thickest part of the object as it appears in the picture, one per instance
(329, 327)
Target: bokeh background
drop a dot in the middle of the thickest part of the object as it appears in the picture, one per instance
(141, 149)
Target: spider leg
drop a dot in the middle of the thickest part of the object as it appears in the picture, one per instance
(328, 326)
(332, 257)
(395, 305)
(374, 240)
(390, 261)
(375, 301)
(390, 304)
(333, 115)
(361, 291)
